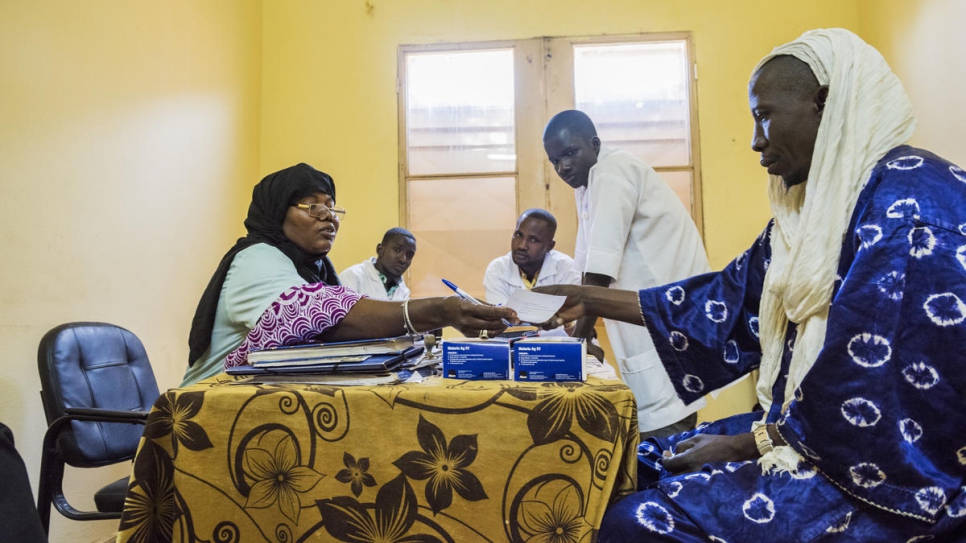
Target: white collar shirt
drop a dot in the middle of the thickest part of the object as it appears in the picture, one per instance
(364, 279)
(633, 228)
(502, 276)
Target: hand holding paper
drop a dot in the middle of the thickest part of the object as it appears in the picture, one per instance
(533, 307)
(572, 308)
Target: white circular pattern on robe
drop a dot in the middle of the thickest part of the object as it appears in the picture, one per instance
(870, 350)
(654, 517)
(731, 354)
(931, 499)
(715, 311)
(921, 241)
(698, 475)
(740, 260)
(732, 467)
(675, 295)
(679, 341)
(901, 209)
(867, 475)
(957, 507)
(808, 452)
(693, 383)
(892, 285)
(945, 309)
(839, 526)
(921, 375)
(673, 489)
(861, 412)
(958, 173)
(716, 539)
(910, 162)
(759, 509)
(646, 447)
(962, 229)
(961, 454)
(910, 429)
(803, 471)
(961, 252)
(869, 235)
(753, 324)
(790, 344)
(766, 263)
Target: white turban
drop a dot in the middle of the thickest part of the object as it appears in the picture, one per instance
(867, 113)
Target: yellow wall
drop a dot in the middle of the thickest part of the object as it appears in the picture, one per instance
(128, 146)
(923, 42)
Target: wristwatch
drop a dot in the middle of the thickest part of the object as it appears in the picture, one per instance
(763, 440)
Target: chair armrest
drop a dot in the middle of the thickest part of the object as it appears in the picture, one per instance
(89, 415)
(103, 415)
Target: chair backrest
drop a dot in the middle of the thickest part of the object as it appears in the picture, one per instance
(95, 365)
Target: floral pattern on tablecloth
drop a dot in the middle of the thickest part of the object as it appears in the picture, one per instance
(442, 460)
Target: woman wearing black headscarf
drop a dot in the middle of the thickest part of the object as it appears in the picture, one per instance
(277, 286)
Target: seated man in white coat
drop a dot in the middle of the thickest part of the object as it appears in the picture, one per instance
(531, 262)
(380, 277)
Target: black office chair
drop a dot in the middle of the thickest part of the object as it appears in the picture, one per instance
(97, 388)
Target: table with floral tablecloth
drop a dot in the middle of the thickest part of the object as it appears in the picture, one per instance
(439, 460)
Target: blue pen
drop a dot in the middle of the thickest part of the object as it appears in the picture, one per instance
(462, 293)
(466, 296)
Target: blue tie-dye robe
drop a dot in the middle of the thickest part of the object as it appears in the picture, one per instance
(880, 417)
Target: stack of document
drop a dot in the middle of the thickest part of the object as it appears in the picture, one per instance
(367, 357)
(413, 375)
(345, 350)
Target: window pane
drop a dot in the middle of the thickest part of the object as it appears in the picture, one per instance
(637, 95)
(459, 112)
(460, 226)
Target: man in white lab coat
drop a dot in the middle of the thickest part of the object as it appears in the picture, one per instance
(633, 233)
(380, 277)
(531, 262)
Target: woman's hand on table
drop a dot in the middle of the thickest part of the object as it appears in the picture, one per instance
(694, 452)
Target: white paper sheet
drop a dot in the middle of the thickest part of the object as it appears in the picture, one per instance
(533, 307)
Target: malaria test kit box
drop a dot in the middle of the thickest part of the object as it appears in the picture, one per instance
(476, 359)
(549, 359)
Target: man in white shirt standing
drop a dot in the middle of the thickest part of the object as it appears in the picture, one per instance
(380, 277)
(531, 262)
(633, 233)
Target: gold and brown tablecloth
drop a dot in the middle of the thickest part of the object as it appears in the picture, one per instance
(441, 460)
